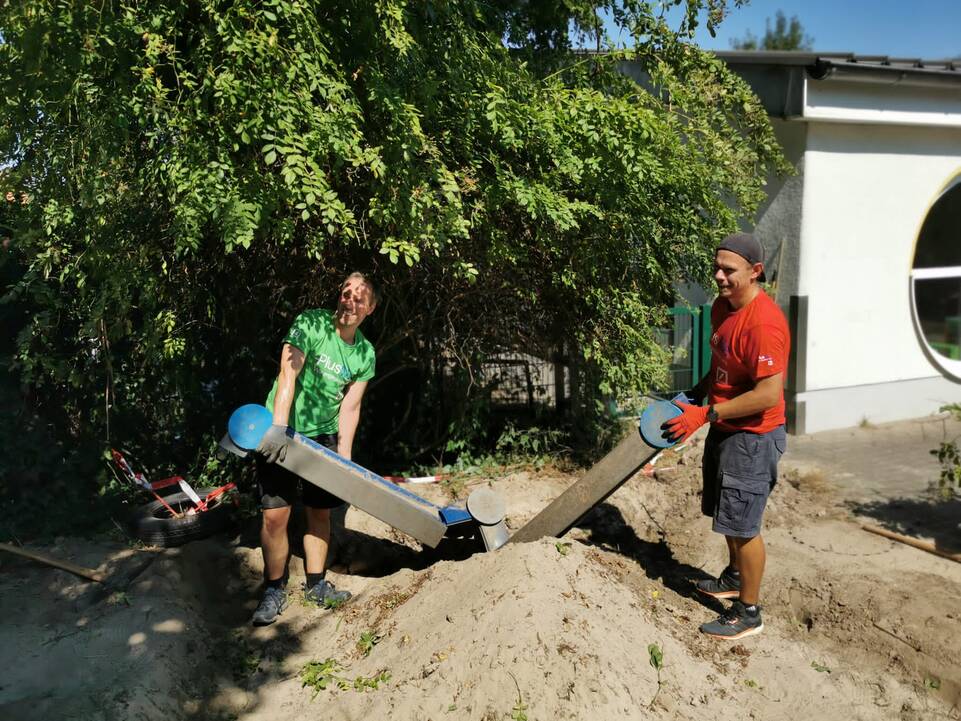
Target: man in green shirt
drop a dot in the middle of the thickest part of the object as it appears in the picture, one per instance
(324, 368)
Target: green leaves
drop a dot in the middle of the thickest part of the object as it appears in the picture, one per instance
(321, 675)
(201, 171)
(656, 656)
(948, 454)
(656, 659)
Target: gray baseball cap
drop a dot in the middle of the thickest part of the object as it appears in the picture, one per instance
(746, 246)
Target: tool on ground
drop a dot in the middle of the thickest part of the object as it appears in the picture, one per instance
(610, 473)
(116, 580)
(371, 493)
(913, 542)
(88, 573)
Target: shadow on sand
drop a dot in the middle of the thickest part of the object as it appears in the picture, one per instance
(608, 529)
(247, 659)
(929, 517)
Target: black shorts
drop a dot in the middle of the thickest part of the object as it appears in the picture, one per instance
(739, 473)
(278, 487)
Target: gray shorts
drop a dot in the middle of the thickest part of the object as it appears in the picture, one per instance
(739, 472)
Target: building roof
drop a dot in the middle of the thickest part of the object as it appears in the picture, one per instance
(850, 66)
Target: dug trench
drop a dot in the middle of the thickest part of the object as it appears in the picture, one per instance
(600, 624)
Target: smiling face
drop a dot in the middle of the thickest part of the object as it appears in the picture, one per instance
(735, 277)
(355, 303)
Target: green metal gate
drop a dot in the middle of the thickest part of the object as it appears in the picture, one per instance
(689, 342)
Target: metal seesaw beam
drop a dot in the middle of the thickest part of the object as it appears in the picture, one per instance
(606, 476)
(364, 489)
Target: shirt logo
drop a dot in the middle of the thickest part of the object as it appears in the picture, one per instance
(721, 375)
(324, 360)
(766, 359)
(720, 343)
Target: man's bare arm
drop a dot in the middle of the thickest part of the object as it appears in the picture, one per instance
(291, 363)
(349, 417)
(766, 394)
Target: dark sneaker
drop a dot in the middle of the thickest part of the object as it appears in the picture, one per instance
(324, 594)
(735, 623)
(272, 605)
(727, 585)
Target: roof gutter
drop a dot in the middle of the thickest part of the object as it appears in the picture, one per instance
(884, 75)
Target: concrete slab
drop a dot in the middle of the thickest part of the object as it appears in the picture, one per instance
(872, 462)
(885, 474)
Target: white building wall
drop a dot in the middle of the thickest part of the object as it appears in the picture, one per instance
(867, 189)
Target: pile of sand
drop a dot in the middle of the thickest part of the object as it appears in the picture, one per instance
(856, 627)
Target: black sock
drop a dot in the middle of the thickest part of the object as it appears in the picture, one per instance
(314, 578)
(277, 583)
(731, 571)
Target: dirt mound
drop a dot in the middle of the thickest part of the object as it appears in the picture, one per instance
(572, 628)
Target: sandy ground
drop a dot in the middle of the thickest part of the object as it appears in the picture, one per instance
(856, 626)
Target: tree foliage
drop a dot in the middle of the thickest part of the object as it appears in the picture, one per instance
(196, 173)
(785, 35)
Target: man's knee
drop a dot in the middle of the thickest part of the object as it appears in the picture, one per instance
(275, 520)
(742, 541)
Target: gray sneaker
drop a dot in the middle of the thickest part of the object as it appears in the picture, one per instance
(274, 602)
(735, 623)
(727, 585)
(324, 594)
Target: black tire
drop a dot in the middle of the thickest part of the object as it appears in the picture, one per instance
(153, 524)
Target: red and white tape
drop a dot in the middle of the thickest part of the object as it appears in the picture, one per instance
(416, 479)
(649, 470)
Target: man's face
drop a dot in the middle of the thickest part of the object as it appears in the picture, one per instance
(733, 274)
(355, 303)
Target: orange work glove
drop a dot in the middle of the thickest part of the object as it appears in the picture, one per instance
(682, 427)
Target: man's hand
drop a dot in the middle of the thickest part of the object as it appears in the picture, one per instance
(683, 426)
(274, 444)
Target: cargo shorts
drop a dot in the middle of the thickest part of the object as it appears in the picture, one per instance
(739, 473)
(278, 487)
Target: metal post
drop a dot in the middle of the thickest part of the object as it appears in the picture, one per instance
(797, 363)
(704, 341)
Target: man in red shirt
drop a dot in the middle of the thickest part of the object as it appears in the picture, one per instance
(750, 344)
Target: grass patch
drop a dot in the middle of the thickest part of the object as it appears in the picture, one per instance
(367, 641)
(321, 675)
(242, 659)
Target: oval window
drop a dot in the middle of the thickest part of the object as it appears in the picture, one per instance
(936, 282)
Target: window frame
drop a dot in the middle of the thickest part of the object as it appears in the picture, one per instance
(947, 366)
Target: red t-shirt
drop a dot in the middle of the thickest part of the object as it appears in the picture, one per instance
(747, 345)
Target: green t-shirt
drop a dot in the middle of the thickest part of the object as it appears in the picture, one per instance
(330, 365)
